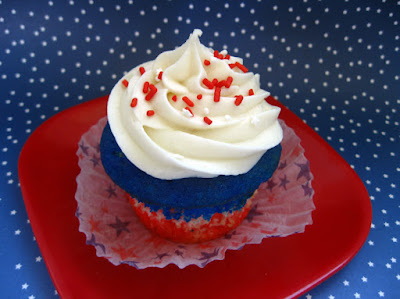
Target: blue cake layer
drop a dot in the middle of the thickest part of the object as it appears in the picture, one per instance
(188, 196)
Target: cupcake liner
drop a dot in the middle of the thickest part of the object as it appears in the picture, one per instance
(281, 207)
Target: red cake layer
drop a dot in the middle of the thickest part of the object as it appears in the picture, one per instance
(196, 230)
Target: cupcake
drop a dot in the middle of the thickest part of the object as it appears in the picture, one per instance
(189, 138)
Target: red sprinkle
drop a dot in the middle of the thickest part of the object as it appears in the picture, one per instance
(217, 94)
(238, 100)
(125, 83)
(150, 112)
(151, 93)
(221, 83)
(228, 82)
(141, 70)
(146, 87)
(207, 62)
(251, 92)
(215, 82)
(207, 120)
(218, 55)
(134, 102)
(160, 75)
(188, 109)
(232, 65)
(241, 67)
(188, 101)
(207, 83)
(174, 98)
(227, 56)
(199, 96)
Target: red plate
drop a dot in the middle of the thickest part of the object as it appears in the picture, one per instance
(278, 267)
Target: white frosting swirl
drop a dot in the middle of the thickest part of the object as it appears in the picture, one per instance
(177, 142)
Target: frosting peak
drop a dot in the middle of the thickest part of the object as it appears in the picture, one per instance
(192, 112)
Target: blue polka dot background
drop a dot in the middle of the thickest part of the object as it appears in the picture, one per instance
(335, 64)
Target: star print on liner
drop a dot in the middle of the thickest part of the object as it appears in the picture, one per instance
(281, 207)
(252, 213)
(84, 148)
(111, 191)
(119, 226)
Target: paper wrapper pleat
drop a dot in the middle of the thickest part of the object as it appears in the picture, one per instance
(282, 206)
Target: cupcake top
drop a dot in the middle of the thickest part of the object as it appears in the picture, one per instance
(192, 112)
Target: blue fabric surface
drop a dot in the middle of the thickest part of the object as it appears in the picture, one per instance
(336, 64)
